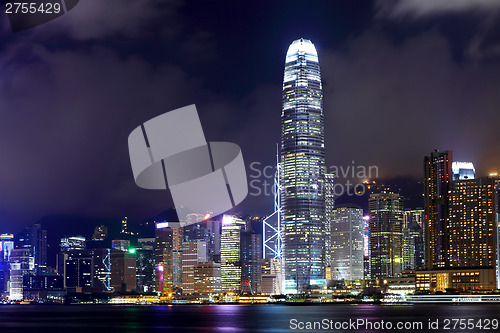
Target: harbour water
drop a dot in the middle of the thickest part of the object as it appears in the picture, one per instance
(250, 318)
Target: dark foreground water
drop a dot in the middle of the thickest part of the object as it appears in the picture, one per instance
(249, 318)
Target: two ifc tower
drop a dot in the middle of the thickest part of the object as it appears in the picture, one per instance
(300, 239)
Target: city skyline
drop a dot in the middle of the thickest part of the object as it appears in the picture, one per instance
(368, 85)
(250, 165)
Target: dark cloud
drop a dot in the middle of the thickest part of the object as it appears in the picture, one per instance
(96, 19)
(389, 105)
(73, 89)
(420, 8)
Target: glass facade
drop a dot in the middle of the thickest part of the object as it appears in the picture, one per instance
(347, 243)
(230, 253)
(303, 168)
(386, 234)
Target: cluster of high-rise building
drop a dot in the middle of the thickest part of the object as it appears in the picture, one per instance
(451, 244)
(209, 258)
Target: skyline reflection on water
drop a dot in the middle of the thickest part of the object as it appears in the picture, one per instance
(226, 318)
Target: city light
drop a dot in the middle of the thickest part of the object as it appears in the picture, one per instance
(161, 225)
(227, 219)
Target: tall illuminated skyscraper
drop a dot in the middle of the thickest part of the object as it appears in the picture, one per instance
(471, 223)
(437, 175)
(230, 253)
(34, 239)
(386, 234)
(168, 257)
(303, 169)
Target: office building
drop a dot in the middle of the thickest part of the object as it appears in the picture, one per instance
(168, 257)
(230, 253)
(207, 231)
(467, 280)
(193, 252)
(251, 256)
(123, 270)
(347, 243)
(22, 263)
(40, 288)
(272, 276)
(472, 223)
(102, 269)
(79, 270)
(85, 269)
(386, 234)
(413, 246)
(302, 168)
(6, 247)
(34, 239)
(145, 264)
(207, 278)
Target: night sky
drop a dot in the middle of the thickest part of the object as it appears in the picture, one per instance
(400, 79)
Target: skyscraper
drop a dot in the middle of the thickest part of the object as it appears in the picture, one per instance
(168, 257)
(79, 269)
(6, 247)
(386, 234)
(21, 265)
(145, 264)
(461, 218)
(437, 174)
(193, 252)
(34, 239)
(123, 270)
(413, 240)
(472, 220)
(230, 253)
(271, 276)
(303, 168)
(251, 254)
(413, 247)
(85, 268)
(347, 243)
